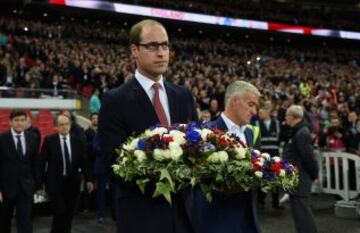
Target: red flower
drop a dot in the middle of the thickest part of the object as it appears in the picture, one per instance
(168, 139)
(255, 163)
(223, 142)
(276, 167)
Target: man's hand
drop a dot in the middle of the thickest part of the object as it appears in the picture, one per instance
(89, 186)
(1, 198)
(40, 192)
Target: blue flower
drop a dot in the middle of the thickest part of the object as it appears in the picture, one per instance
(207, 147)
(141, 144)
(269, 175)
(192, 136)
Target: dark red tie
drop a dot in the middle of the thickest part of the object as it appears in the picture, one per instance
(158, 106)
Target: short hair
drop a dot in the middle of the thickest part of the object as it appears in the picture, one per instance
(295, 111)
(135, 31)
(16, 113)
(94, 114)
(266, 106)
(240, 88)
(62, 114)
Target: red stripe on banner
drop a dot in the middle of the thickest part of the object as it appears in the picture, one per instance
(58, 2)
(282, 27)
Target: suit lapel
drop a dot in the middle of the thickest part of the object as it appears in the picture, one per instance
(220, 124)
(249, 137)
(144, 103)
(12, 144)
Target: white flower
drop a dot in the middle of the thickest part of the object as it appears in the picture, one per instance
(161, 155)
(240, 153)
(276, 159)
(116, 168)
(205, 132)
(124, 160)
(256, 152)
(223, 156)
(282, 172)
(175, 150)
(159, 130)
(140, 155)
(218, 157)
(132, 145)
(260, 161)
(148, 133)
(178, 136)
(266, 156)
(258, 174)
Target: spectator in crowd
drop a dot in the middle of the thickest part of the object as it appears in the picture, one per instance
(214, 109)
(300, 152)
(95, 103)
(19, 174)
(352, 134)
(205, 116)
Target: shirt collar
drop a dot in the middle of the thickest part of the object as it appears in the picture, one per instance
(231, 125)
(14, 133)
(62, 136)
(146, 82)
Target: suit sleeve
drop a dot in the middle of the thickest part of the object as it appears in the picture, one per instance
(306, 152)
(111, 128)
(193, 112)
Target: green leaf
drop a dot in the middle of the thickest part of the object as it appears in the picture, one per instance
(165, 175)
(142, 184)
(193, 182)
(209, 197)
(164, 189)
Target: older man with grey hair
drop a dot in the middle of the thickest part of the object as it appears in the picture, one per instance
(235, 213)
(299, 151)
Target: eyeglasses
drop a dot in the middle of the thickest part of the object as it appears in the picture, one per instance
(154, 46)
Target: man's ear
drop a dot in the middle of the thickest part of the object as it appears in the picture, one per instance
(134, 51)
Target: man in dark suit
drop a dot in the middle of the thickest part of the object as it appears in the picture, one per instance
(236, 212)
(145, 101)
(19, 174)
(299, 151)
(62, 158)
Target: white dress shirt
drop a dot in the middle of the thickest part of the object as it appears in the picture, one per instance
(63, 151)
(233, 128)
(147, 83)
(22, 138)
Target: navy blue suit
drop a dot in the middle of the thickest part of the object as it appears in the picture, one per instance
(231, 214)
(127, 110)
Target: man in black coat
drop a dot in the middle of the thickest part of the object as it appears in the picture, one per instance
(19, 174)
(299, 151)
(63, 156)
(145, 101)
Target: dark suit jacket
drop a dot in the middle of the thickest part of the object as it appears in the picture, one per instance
(299, 150)
(52, 174)
(127, 110)
(234, 214)
(19, 176)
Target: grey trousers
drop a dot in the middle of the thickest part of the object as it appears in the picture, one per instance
(302, 214)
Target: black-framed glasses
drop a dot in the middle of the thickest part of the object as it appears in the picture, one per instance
(154, 46)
